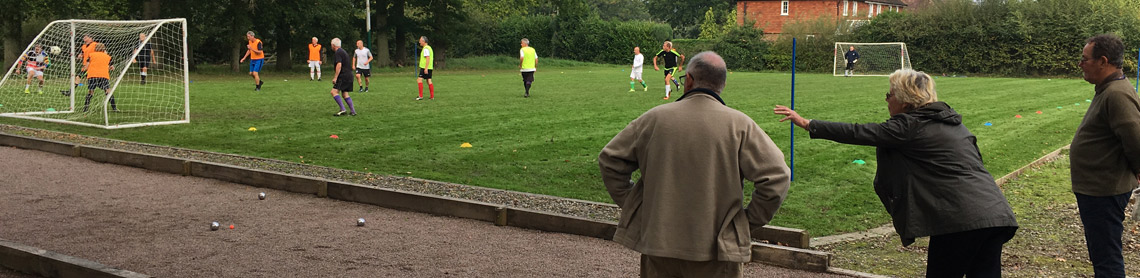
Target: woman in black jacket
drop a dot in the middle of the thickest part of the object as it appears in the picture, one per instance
(930, 178)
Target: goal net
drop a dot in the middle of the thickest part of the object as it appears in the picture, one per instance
(65, 75)
(875, 59)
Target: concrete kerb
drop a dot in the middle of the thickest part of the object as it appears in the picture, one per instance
(24, 142)
(36, 261)
(259, 178)
(133, 159)
(413, 201)
(390, 198)
(790, 257)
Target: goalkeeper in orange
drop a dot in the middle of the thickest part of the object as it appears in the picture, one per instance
(98, 71)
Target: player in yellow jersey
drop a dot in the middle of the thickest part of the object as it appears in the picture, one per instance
(255, 50)
(427, 65)
(315, 59)
(528, 64)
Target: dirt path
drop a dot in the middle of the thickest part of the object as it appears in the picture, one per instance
(158, 224)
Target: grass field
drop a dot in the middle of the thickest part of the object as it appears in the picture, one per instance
(548, 143)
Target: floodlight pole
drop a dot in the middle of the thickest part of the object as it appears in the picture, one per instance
(793, 124)
(1137, 71)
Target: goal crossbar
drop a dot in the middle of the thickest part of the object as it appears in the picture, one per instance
(880, 63)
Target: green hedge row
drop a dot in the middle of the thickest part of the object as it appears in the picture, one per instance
(591, 39)
(1016, 38)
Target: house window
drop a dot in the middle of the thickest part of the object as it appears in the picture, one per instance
(783, 7)
(880, 9)
(844, 7)
(870, 10)
(854, 8)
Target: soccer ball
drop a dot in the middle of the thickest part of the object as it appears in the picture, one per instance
(55, 50)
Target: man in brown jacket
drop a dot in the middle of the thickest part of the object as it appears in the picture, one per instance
(686, 213)
(1105, 154)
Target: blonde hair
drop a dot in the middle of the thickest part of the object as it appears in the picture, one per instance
(913, 88)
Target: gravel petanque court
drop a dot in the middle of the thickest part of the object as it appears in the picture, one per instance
(159, 224)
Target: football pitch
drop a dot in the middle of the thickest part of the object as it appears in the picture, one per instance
(548, 143)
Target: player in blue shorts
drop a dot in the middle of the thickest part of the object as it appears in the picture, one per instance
(255, 50)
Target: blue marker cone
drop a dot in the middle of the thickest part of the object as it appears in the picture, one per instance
(989, 124)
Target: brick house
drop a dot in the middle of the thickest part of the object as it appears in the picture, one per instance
(771, 15)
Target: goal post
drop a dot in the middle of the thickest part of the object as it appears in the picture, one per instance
(875, 59)
(49, 82)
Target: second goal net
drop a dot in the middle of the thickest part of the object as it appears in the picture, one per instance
(106, 74)
(874, 59)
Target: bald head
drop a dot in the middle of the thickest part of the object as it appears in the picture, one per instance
(706, 70)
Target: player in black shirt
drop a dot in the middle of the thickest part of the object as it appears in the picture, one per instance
(342, 79)
(852, 57)
(145, 58)
(673, 61)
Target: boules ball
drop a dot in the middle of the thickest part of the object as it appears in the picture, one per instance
(214, 226)
(261, 196)
(360, 222)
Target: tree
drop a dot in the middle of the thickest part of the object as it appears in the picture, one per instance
(685, 15)
(621, 10)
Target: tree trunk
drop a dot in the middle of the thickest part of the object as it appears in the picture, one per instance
(383, 55)
(284, 47)
(235, 56)
(11, 29)
(151, 9)
(284, 55)
(400, 56)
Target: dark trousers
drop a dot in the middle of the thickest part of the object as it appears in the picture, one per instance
(662, 267)
(973, 253)
(1103, 218)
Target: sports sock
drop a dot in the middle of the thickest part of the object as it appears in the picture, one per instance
(527, 85)
(675, 83)
(431, 89)
(143, 77)
(350, 106)
(87, 102)
(338, 102)
(421, 90)
(643, 85)
(318, 73)
(113, 107)
(631, 85)
(26, 86)
(311, 74)
(667, 89)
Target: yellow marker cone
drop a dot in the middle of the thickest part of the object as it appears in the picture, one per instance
(465, 145)
(252, 128)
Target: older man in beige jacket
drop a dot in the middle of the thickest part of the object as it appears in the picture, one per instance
(686, 214)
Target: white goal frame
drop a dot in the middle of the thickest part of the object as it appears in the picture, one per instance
(904, 58)
(118, 75)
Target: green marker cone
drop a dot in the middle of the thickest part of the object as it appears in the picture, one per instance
(1088, 100)
(51, 109)
(859, 161)
(1059, 107)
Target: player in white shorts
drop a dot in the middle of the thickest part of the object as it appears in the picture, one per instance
(36, 61)
(635, 72)
(315, 60)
